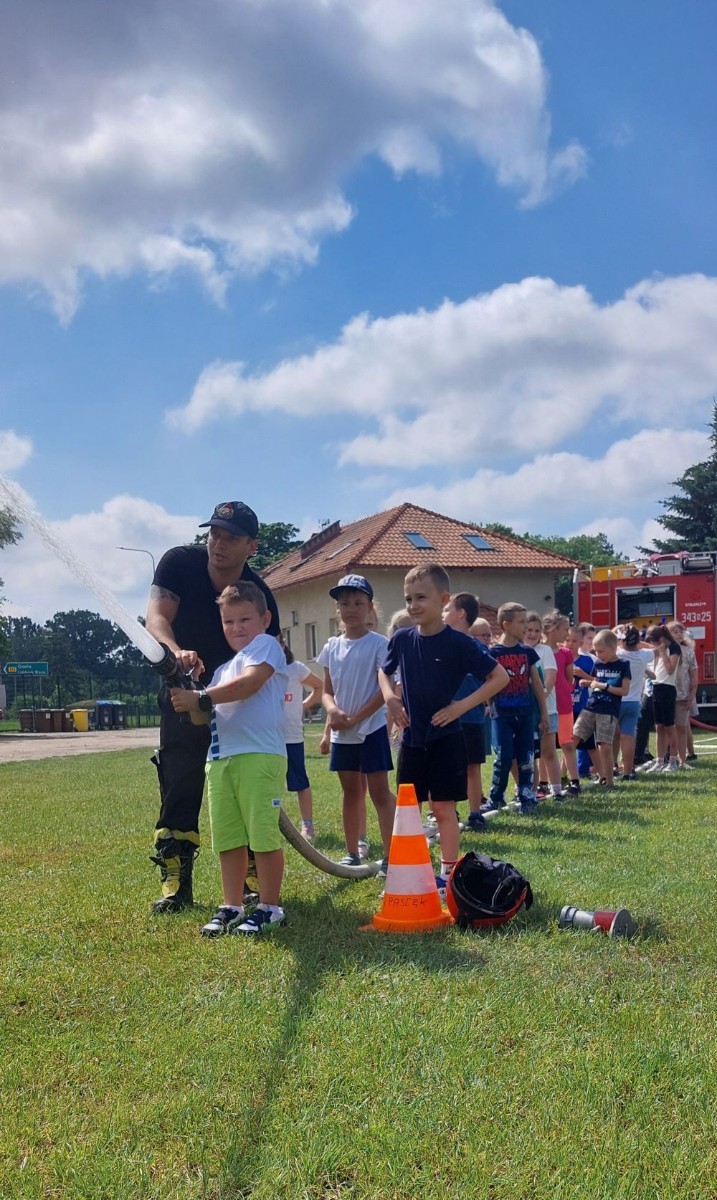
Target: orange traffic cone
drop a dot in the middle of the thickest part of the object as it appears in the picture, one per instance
(410, 900)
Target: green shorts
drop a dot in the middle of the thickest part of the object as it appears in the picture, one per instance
(244, 800)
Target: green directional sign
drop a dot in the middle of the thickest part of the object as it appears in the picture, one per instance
(27, 668)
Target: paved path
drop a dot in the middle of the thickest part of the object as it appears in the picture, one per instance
(27, 747)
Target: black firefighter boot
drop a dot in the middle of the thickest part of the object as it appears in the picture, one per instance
(175, 852)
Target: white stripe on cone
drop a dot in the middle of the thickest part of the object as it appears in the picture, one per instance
(407, 821)
(417, 880)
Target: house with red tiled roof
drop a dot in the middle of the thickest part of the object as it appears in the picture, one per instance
(384, 547)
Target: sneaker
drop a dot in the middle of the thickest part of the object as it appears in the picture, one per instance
(350, 860)
(363, 848)
(492, 806)
(686, 766)
(528, 807)
(574, 787)
(644, 759)
(629, 777)
(542, 791)
(250, 896)
(261, 921)
(691, 758)
(673, 765)
(475, 822)
(224, 921)
(307, 831)
(558, 797)
(441, 884)
(653, 767)
(430, 832)
(382, 869)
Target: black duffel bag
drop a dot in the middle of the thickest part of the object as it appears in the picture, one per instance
(483, 891)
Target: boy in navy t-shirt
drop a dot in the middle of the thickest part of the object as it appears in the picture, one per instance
(608, 684)
(512, 710)
(433, 660)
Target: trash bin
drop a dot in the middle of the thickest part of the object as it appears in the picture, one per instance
(43, 720)
(120, 715)
(27, 723)
(105, 714)
(57, 717)
(80, 719)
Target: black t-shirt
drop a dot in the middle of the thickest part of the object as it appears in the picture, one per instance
(432, 669)
(184, 570)
(611, 673)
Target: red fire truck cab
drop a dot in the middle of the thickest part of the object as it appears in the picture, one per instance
(665, 587)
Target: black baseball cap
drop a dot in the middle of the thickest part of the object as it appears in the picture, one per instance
(235, 516)
(356, 582)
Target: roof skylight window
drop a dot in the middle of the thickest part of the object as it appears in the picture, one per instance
(478, 542)
(418, 541)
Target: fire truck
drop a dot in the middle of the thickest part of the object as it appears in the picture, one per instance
(665, 587)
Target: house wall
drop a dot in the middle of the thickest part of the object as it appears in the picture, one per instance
(310, 603)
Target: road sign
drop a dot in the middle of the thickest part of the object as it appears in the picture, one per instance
(27, 668)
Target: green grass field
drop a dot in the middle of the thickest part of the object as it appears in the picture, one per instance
(527, 1063)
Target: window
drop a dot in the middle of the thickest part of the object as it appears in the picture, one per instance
(341, 549)
(419, 541)
(478, 542)
(311, 647)
(286, 634)
(333, 626)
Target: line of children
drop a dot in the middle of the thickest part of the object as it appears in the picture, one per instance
(435, 672)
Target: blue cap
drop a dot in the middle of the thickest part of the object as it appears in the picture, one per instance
(357, 582)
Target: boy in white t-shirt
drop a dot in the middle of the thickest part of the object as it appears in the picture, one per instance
(357, 716)
(246, 764)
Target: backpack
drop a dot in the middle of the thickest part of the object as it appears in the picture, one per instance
(483, 891)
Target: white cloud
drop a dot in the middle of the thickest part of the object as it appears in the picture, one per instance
(14, 450)
(217, 136)
(523, 367)
(565, 492)
(37, 584)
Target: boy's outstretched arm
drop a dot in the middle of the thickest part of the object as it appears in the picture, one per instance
(495, 682)
(245, 685)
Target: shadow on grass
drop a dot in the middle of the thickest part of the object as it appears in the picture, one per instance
(327, 941)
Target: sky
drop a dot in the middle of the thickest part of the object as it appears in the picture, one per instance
(330, 256)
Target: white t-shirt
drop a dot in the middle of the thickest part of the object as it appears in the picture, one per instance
(662, 675)
(254, 725)
(548, 663)
(294, 702)
(639, 661)
(353, 665)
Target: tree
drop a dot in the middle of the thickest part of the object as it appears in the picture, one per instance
(586, 549)
(691, 514)
(275, 540)
(9, 535)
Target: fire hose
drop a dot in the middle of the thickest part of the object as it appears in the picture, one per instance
(174, 676)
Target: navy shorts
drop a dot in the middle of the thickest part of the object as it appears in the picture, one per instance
(371, 755)
(438, 770)
(474, 738)
(296, 778)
